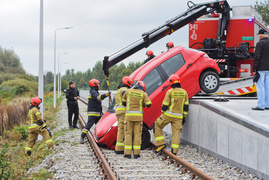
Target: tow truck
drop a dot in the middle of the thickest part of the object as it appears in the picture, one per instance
(215, 48)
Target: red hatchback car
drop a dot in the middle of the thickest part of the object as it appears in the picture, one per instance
(196, 71)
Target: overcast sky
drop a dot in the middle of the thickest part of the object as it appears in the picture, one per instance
(100, 29)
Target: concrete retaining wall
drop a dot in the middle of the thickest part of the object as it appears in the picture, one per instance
(217, 133)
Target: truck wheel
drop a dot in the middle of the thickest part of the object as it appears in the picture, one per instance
(145, 138)
(209, 82)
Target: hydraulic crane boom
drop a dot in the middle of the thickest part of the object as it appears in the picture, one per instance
(195, 11)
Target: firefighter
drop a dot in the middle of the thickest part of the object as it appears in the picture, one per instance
(134, 100)
(175, 108)
(94, 107)
(120, 113)
(37, 126)
(150, 55)
(169, 45)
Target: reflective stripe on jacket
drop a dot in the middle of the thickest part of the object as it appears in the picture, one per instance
(34, 115)
(120, 109)
(135, 100)
(94, 101)
(175, 99)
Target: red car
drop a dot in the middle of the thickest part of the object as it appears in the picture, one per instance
(196, 70)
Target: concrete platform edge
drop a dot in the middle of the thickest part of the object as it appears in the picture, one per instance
(226, 160)
(254, 127)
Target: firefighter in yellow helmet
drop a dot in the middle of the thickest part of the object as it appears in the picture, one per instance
(175, 108)
(37, 126)
(126, 83)
(135, 100)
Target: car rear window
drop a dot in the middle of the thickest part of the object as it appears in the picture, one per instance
(173, 64)
(152, 81)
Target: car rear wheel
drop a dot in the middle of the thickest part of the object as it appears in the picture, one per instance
(209, 82)
(145, 138)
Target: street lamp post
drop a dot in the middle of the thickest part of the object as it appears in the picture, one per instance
(54, 88)
(59, 74)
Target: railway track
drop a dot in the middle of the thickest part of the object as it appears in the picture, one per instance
(150, 165)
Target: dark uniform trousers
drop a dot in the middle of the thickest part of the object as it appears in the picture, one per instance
(73, 109)
(132, 140)
(91, 120)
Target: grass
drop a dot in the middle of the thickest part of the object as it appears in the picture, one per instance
(14, 164)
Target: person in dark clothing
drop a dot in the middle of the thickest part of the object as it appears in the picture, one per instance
(261, 66)
(150, 55)
(94, 107)
(72, 95)
(85, 85)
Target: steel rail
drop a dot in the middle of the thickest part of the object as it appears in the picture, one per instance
(185, 165)
(107, 170)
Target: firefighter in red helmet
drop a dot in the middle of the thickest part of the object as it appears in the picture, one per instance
(169, 45)
(175, 108)
(94, 107)
(150, 55)
(134, 99)
(37, 126)
(126, 83)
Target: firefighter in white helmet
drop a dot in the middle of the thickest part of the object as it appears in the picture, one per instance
(135, 100)
(37, 126)
(175, 108)
(126, 83)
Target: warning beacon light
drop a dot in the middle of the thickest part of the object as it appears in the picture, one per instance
(250, 20)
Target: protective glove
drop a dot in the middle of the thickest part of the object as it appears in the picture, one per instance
(108, 94)
(44, 126)
(184, 120)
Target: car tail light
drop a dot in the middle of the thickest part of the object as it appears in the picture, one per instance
(243, 70)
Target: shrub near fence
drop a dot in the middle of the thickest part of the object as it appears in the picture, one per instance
(13, 114)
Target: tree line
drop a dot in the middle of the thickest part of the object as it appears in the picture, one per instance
(117, 72)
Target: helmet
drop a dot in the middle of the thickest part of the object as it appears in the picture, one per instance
(173, 79)
(149, 53)
(36, 101)
(93, 82)
(127, 80)
(169, 45)
(142, 84)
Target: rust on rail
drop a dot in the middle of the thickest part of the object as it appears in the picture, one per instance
(109, 174)
(197, 172)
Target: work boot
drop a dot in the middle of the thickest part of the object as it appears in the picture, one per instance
(81, 141)
(127, 156)
(257, 108)
(119, 152)
(29, 153)
(137, 156)
(173, 152)
(71, 127)
(75, 127)
(160, 148)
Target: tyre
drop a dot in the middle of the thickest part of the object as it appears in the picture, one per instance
(209, 82)
(145, 138)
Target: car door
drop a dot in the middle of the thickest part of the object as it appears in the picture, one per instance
(154, 82)
(182, 65)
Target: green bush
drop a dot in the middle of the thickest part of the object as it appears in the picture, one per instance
(6, 77)
(22, 130)
(19, 86)
(4, 164)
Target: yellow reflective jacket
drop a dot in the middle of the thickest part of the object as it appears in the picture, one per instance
(135, 100)
(120, 109)
(175, 99)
